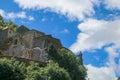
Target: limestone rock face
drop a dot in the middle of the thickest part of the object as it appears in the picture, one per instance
(40, 54)
(31, 44)
(5, 35)
(15, 50)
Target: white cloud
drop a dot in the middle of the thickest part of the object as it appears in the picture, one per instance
(2, 13)
(66, 31)
(95, 34)
(12, 15)
(102, 73)
(107, 72)
(112, 4)
(71, 8)
(31, 18)
(113, 54)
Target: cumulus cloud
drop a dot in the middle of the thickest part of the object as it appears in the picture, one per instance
(95, 34)
(71, 8)
(109, 71)
(114, 53)
(12, 15)
(102, 73)
(112, 4)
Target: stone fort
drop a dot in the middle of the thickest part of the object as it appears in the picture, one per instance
(28, 44)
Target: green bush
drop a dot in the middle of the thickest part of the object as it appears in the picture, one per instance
(10, 69)
(66, 59)
(54, 72)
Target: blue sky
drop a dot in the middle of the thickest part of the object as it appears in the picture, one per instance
(90, 26)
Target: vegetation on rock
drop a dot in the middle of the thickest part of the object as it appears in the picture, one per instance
(63, 64)
(66, 59)
(9, 24)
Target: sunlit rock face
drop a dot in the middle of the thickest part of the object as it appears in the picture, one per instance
(28, 44)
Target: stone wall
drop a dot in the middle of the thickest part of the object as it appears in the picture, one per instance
(29, 45)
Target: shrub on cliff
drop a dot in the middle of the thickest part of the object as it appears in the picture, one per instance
(67, 60)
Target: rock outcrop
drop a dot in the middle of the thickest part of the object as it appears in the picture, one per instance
(25, 43)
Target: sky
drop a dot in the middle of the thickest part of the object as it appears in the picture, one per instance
(90, 26)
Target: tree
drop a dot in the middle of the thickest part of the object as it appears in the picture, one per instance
(79, 57)
(53, 72)
(11, 69)
(11, 25)
(33, 72)
(53, 54)
(82, 72)
(66, 59)
(1, 22)
(8, 24)
(69, 61)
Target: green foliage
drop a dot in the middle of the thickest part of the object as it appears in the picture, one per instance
(82, 72)
(11, 69)
(33, 72)
(65, 67)
(53, 53)
(1, 22)
(51, 72)
(54, 72)
(8, 24)
(68, 61)
(11, 25)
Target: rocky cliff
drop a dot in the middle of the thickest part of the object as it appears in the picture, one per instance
(25, 43)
